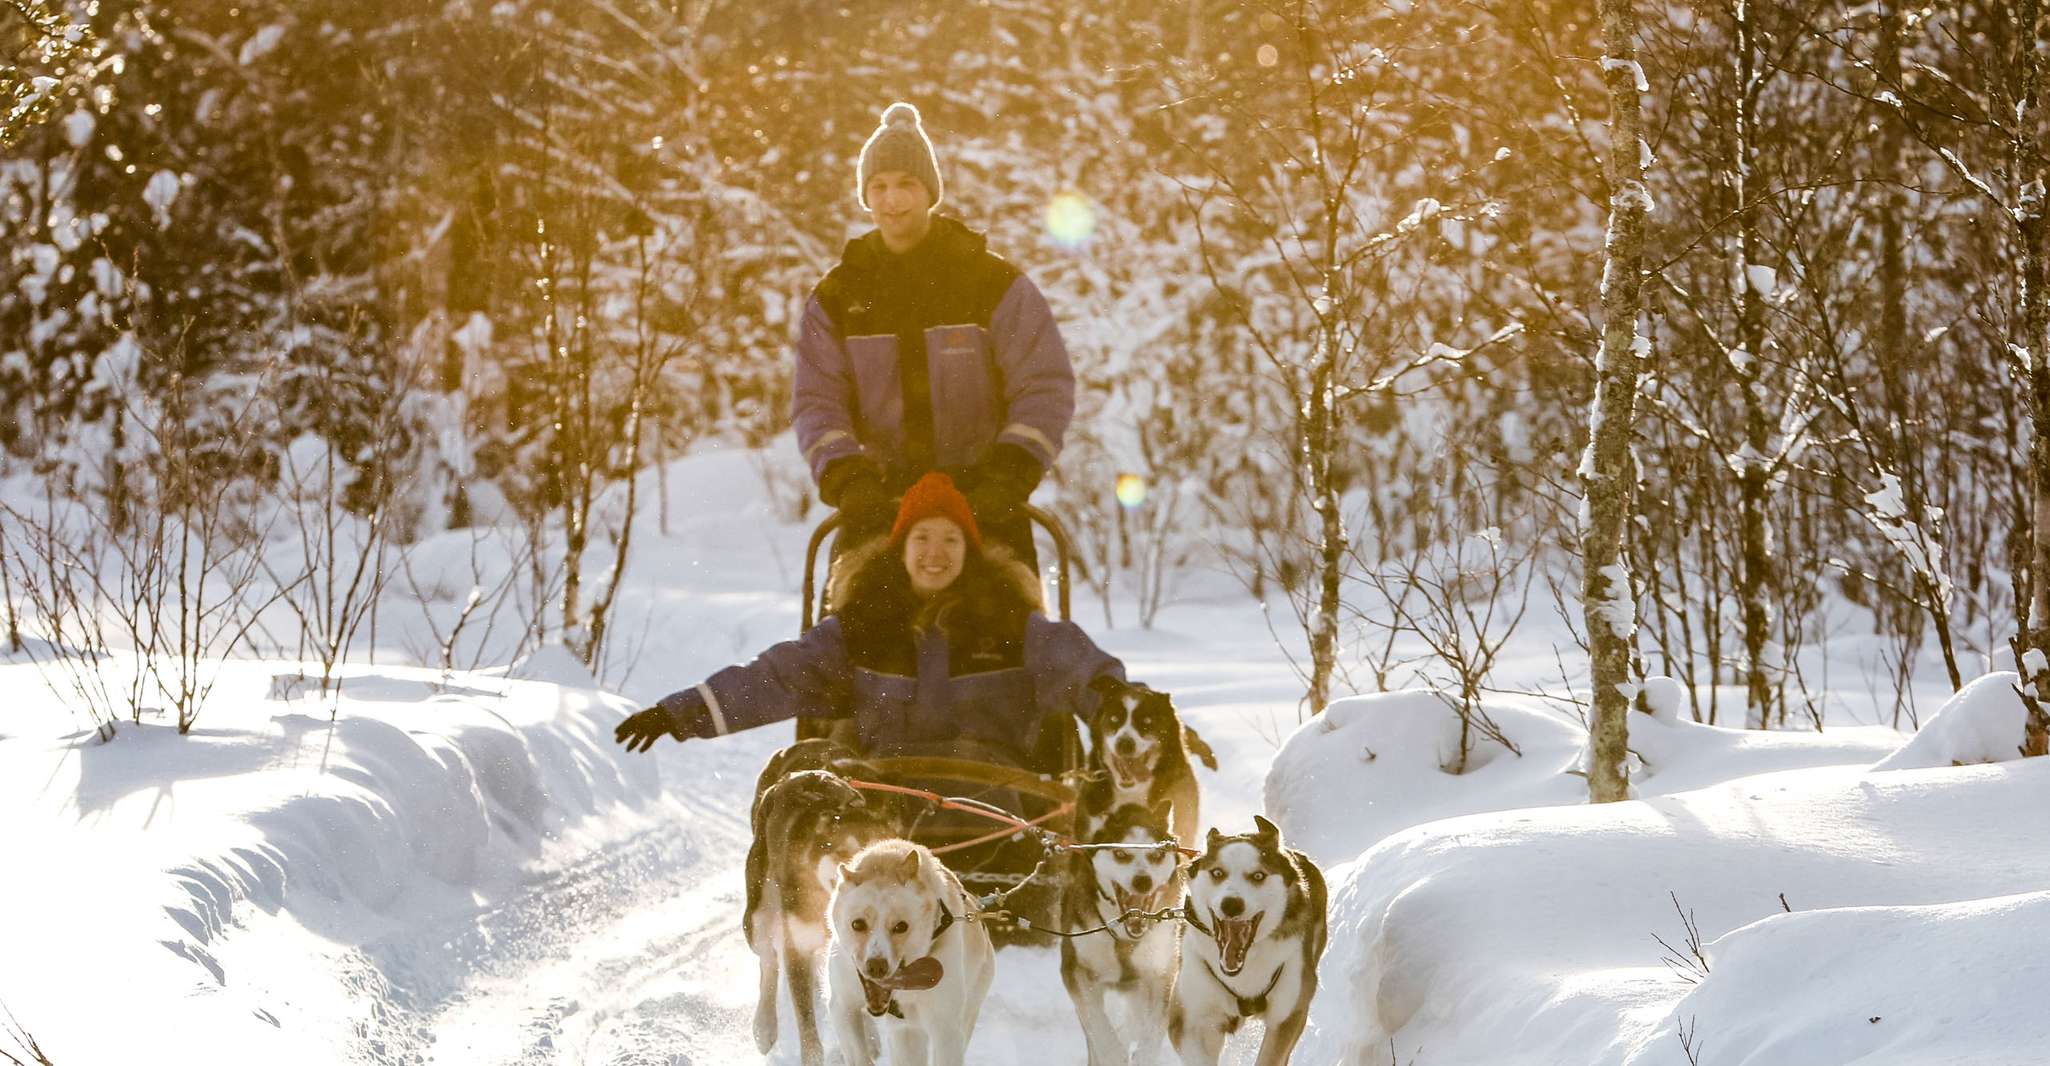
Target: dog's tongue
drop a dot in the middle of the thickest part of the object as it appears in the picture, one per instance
(1143, 902)
(1131, 771)
(1234, 939)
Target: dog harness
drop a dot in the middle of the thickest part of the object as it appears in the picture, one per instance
(1248, 1006)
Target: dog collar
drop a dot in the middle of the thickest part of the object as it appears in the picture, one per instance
(946, 922)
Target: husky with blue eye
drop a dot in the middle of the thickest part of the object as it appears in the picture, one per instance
(1256, 913)
(1135, 956)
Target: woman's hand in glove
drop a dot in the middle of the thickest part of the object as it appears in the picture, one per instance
(642, 729)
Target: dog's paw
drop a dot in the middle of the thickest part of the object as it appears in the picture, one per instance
(765, 1027)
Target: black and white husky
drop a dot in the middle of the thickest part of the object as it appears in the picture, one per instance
(1255, 912)
(807, 821)
(1140, 749)
(1134, 957)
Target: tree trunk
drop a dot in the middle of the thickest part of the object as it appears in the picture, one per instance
(1605, 470)
(7, 599)
(2025, 160)
(1899, 449)
(1322, 442)
(1324, 439)
(1755, 593)
(469, 293)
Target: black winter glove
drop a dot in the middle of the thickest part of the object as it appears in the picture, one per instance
(855, 487)
(685, 720)
(642, 729)
(1003, 482)
(866, 502)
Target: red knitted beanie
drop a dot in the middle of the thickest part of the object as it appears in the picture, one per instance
(935, 497)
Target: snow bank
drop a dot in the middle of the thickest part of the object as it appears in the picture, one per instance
(1370, 766)
(1982, 722)
(155, 854)
(1527, 937)
(1861, 979)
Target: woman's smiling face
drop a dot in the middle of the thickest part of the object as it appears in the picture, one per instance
(934, 552)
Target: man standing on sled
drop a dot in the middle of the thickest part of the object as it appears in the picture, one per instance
(924, 351)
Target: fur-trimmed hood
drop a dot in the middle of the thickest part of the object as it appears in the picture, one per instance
(982, 613)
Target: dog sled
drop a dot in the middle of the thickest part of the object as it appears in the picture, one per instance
(988, 855)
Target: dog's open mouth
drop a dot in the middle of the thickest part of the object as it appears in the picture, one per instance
(1134, 904)
(1131, 771)
(914, 976)
(1234, 940)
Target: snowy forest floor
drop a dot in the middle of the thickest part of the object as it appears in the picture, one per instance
(466, 870)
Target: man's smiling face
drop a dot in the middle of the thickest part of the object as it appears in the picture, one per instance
(901, 206)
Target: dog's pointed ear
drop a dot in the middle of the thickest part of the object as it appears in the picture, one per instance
(1265, 829)
(908, 869)
(848, 874)
(847, 795)
(1211, 840)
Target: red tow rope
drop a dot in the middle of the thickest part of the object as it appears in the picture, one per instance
(1012, 823)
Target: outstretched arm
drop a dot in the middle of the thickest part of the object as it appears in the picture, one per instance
(802, 678)
(1062, 662)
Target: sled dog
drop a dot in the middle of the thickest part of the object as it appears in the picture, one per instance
(1141, 750)
(1135, 957)
(904, 959)
(1255, 912)
(807, 820)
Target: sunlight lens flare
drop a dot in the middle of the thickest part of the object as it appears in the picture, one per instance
(1070, 220)
(1131, 490)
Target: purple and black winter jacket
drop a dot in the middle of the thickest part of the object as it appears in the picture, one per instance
(945, 702)
(928, 359)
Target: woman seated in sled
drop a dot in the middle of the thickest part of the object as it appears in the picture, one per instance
(938, 647)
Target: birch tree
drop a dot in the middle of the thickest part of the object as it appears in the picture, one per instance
(2027, 170)
(1605, 469)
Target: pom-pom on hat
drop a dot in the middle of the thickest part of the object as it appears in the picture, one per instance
(899, 143)
(934, 496)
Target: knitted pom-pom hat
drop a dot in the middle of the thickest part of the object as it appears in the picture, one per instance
(899, 143)
(934, 496)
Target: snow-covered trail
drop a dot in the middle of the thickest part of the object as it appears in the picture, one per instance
(633, 954)
(623, 955)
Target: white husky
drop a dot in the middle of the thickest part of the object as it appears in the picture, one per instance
(903, 959)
